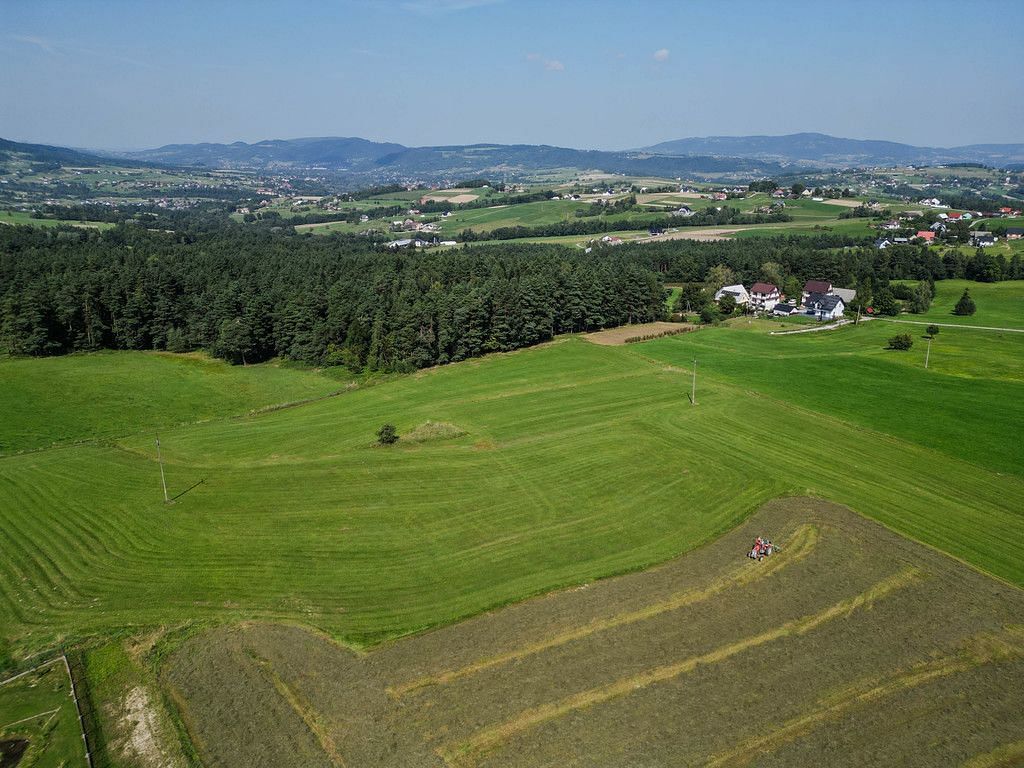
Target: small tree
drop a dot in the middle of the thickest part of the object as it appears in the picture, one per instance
(932, 330)
(387, 435)
(966, 305)
(710, 314)
(901, 341)
(727, 304)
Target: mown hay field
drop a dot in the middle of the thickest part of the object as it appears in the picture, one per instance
(38, 720)
(851, 646)
(561, 464)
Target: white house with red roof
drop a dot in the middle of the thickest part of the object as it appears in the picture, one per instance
(764, 296)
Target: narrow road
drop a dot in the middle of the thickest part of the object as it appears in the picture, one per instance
(813, 328)
(952, 325)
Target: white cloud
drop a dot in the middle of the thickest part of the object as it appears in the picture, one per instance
(430, 7)
(533, 57)
(554, 65)
(661, 54)
(39, 42)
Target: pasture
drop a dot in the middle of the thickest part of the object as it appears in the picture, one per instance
(827, 653)
(58, 400)
(26, 219)
(557, 471)
(518, 474)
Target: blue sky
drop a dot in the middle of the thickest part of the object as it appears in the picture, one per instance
(605, 75)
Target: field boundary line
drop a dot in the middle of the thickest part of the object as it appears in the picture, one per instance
(805, 539)
(989, 648)
(78, 711)
(491, 737)
(36, 668)
(31, 717)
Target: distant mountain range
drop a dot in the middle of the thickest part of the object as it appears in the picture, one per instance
(363, 162)
(818, 149)
(359, 156)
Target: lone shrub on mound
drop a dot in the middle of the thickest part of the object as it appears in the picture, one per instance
(387, 435)
(966, 305)
(901, 341)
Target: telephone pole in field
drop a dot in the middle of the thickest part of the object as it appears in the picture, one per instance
(693, 387)
(163, 480)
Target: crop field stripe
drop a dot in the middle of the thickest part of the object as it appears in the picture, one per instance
(1004, 756)
(989, 649)
(465, 753)
(805, 538)
(305, 712)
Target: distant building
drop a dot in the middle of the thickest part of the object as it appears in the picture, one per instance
(784, 310)
(925, 234)
(980, 238)
(814, 286)
(1014, 233)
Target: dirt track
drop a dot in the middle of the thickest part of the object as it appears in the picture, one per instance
(852, 646)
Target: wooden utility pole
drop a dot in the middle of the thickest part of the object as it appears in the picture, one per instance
(693, 387)
(928, 352)
(163, 480)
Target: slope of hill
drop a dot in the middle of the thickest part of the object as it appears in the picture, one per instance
(821, 149)
(381, 160)
(45, 153)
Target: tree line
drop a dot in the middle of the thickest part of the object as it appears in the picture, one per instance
(250, 295)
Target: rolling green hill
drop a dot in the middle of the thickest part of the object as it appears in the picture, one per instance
(552, 466)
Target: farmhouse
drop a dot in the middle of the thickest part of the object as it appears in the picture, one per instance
(825, 306)
(784, 310)
(925, 234)
(1014, 233)
(911, 214)
(981, 238)
(738, 292)
(883, 243)
(764, 296)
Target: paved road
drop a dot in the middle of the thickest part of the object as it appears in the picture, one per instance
(813, 328)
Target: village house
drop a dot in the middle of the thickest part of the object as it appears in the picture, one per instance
(980, 238)
(925, 234)
(882, 243)
(825, 306)
(784, 310)
(1014, 233)
(738, 292)
(812, 287)
(764, 296)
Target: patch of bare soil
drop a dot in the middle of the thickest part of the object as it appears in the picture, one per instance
(614, 337)
(845, 203)
(850, 646)
(142, 728)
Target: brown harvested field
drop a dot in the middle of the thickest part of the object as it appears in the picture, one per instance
(701, 234)
(455, 196)
(614, 337)
(853, 646)
(845, 203)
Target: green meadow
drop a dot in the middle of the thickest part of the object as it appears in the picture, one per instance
(24, 218)
(518, 473)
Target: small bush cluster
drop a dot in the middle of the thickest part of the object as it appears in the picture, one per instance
(901, 341)
(649, 336)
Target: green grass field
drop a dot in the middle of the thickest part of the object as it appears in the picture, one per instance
(567, 462)
(999, 305)
(23, 218)
(103, 395)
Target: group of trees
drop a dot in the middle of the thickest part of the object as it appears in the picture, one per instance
(249, 295)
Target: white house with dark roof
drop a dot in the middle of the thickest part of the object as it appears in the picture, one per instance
(825, 306)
